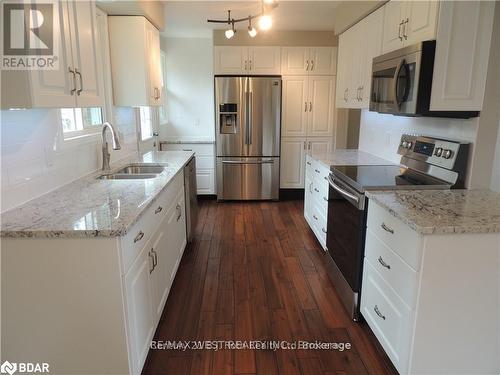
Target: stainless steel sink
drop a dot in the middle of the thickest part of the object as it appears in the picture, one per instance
(141, 169)
(134, 176)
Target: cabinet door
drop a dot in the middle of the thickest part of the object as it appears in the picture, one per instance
(343, 70)
(318, 146)
(323, 60)
(462, 54)
(421, 20)
(292, 162)
(159, 276)
(230, 60)
(295, 61)
(86, 54)
(53, 88)
(140, 315)
(295, 106)
(264, 60)
(372, 46)
(394, 14)
(358, 56)
(321, 106)
(153, 64)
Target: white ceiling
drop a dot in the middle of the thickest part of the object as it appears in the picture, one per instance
(189, 18)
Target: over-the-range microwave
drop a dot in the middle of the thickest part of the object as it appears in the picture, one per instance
(402, 82)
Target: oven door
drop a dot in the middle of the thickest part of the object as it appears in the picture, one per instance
(395, 84)
(346, 231)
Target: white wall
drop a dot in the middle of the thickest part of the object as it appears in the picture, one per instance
(35, 160)
(380, 134)
(189, 82)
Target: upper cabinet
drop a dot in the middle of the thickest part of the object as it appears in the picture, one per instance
(462, 55)
(247, 60)
(408, 22)
(308, 60)
(135, 61)
(78, 81)
(357, 48)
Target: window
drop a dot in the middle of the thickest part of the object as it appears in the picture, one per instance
(79, 121)
(146, 123)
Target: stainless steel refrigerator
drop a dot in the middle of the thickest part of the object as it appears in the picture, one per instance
(248, 126)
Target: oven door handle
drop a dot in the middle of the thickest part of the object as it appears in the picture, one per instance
(342, 191)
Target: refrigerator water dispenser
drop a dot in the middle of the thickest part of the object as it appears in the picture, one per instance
(228, 118)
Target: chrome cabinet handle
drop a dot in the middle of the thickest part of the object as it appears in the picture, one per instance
(323, 230)
(384, 264)
(310, 187)
(316, 190)
(312, 65)
(178, 208)
(361, 93)
(309, 145)
(315, 217)
(386, 228)
(246, 64)
(308, 162)
(305, 146)
(152, 260)
(158, 210)
(346, 94)
(325, 199)
(73, 90)
(307, 66)
(79, 91)
(310, 106)
(305, 106)
(155, 258)
(139, 236)
(399, 30)
(405, 27)
(316, 170)
(377, 311)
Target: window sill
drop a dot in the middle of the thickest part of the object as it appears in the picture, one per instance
(79, 138)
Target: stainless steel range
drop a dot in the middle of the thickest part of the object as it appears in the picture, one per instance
(426, 163)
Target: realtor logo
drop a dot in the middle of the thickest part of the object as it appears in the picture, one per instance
(28, 35)
(8, 368)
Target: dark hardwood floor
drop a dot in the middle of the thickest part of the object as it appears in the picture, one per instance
(256, 272)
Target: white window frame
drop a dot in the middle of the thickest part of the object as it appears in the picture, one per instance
(91, 133)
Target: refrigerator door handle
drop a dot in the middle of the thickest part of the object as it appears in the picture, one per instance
(247, 117)
(250, 118)
(248, 162)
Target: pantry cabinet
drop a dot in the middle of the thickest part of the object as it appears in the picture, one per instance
(247, 60)
(135, 61)
(79, 80)
(409, 22)
(357, 48)
(462, 55)
(308, 60)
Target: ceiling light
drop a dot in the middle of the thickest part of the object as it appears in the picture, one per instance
(251, 30)
(268, 2)
(265, 22)
(229, 33)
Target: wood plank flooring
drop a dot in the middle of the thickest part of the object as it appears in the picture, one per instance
(256, 272)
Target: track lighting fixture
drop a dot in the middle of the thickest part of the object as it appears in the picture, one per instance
(251, 30)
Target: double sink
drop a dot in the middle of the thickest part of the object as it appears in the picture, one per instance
(135, 171)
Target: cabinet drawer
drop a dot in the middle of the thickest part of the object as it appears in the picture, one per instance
(399, 237)
(319, 224)
(198, 149)
(141, 232)
(401, 277)
(387, 316)
(309, 167)
(321, 199)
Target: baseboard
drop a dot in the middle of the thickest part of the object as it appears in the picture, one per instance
(291, 194)
(207, 197)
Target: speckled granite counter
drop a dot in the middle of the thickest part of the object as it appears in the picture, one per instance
(90, 207)
(349, 157)
(443, 211)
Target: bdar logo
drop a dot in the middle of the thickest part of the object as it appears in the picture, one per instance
(28, 29)
(8, 368)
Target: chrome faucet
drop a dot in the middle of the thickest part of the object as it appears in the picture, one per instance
(115, 144)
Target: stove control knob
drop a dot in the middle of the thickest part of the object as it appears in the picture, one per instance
(408, 146)
(447, 154)
(404, 144)
(438, 152)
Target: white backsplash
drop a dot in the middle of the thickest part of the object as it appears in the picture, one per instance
(35, 161)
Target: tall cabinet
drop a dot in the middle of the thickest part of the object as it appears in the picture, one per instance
(308, 108)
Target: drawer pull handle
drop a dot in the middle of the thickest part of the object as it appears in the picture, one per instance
(139, 236)
(326, 178)
(315, 217)
(325, 199)
(155, 258)
(187, 149)
(158, 210)
(384, 264)
(377, 311)
(386, 228)
(316, 171)
(316, 190)
(323, 230)
(178, 208)
(308, 163)
(153, 261)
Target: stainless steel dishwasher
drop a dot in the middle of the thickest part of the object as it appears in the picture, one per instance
(191, 197)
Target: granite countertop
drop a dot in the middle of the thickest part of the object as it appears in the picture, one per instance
(349, 157)
(443, 211)
(89, 207)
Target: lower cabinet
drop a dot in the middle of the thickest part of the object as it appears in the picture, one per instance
(429, 299)
(316, 198)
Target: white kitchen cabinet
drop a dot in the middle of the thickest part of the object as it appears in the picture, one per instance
(418, 303)
(462, 54)
(247, 60)
(308, 60)
(357, 48)
(135, 60)
(308, 107)
(78, 81)
(318, 145)
(408, 22)
(293, 151)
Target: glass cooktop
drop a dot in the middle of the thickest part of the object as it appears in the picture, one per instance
(380, 177)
